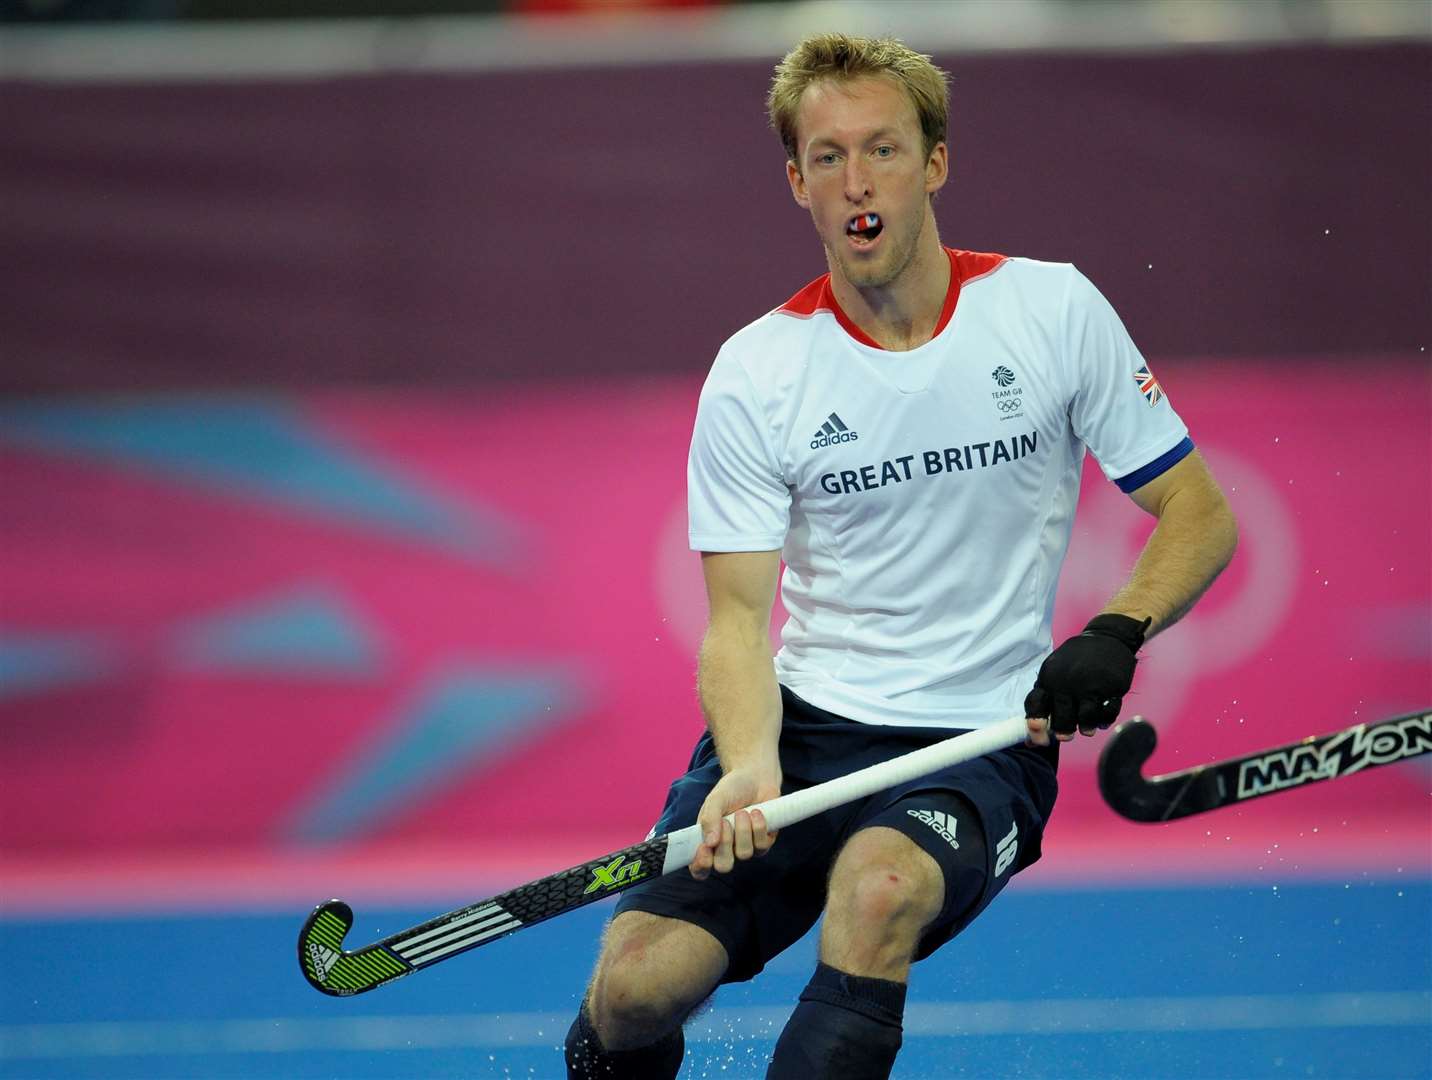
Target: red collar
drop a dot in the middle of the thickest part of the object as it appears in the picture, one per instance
(818, 296)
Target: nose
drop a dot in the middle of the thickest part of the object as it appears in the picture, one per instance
(857, 180)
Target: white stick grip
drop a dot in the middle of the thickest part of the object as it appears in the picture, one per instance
(799, 805)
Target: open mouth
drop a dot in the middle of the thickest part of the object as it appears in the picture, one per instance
(864, 228)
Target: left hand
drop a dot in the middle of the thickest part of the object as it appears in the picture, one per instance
(723, 842)
(1081, 685)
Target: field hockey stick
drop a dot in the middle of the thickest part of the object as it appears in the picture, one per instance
(1223, 783)
(334, 970)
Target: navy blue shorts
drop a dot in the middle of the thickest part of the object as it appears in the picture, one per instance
(981, 820)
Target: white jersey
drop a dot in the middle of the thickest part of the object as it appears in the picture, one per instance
(923, 500)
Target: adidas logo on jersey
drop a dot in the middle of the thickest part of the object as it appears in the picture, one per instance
(831, 432)
(942, 823)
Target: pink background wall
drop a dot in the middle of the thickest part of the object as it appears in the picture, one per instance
(468, 643)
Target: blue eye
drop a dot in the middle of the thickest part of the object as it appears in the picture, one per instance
(884, 151)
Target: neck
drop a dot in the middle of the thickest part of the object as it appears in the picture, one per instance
(902, 314)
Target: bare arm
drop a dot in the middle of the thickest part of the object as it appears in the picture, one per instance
(1081, 684)
(1192, 543)
(736, 680)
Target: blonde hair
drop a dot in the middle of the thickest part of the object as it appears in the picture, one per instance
(841, 57)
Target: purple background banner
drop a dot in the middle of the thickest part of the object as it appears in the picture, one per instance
(404, 229)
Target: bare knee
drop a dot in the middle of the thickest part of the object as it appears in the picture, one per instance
(883, 892)
(652, 972)
(889, 895)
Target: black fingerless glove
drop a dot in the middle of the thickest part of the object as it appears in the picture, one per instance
(1082, 683)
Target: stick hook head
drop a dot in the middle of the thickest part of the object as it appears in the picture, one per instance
(320, 943)
(1121, 762)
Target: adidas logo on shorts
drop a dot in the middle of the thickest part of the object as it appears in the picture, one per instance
(942, 823)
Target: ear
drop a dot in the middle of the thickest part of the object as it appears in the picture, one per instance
(798, 185)
(937, 168)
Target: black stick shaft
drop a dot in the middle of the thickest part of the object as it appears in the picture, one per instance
(330, 968)
(1265, 772)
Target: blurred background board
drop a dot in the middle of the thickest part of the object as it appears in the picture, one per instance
(392, 634)
(347, 368)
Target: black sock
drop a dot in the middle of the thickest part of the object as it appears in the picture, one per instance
(846, 1026)
(588, 1059)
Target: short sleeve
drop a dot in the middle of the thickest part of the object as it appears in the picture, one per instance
(736, 497)
(1118, 408)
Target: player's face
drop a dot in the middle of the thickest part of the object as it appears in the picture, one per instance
(864, 176)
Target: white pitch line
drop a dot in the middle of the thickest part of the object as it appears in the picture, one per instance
(949, 1019)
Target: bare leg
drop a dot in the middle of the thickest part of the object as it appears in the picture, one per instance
(883, 892)
(652, 972)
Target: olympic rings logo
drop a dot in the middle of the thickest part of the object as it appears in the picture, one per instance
(1009, 405)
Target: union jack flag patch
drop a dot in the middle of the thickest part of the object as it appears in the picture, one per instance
(1149, 385)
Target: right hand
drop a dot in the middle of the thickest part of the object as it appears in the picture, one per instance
(1082, 684)
(722, 844)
